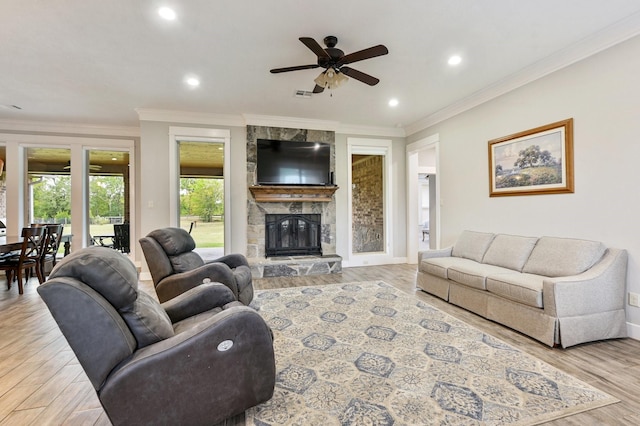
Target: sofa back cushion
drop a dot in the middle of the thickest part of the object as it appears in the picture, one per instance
(509, 251)
(560, 257)
(472, 245)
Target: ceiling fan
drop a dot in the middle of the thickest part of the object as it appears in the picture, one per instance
(333, 60)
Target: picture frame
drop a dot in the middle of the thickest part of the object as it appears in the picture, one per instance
(533, 162)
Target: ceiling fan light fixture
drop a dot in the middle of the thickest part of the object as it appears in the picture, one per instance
(330, 79)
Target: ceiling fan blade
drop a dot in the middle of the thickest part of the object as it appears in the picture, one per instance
(360, 55)
(318, 89)
(296, 68)
(314, 47)
(359, 75)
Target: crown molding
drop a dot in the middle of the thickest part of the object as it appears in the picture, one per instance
(290, 122)
(312, 124)
(617, 33)
(172, 116)
(68, 128)
(393, 132)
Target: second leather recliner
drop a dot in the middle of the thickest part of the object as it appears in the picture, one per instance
(176, 268)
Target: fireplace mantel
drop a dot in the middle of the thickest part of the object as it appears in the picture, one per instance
(284, 193)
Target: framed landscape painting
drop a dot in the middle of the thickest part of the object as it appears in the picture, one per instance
(536, 161)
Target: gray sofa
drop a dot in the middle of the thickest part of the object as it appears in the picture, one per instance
(560, 291)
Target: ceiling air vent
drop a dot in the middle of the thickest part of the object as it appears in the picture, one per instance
(10, 107)
(303, 94)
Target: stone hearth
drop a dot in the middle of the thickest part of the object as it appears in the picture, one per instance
(290, 266)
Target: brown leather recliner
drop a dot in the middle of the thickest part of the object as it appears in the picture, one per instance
(176, 268)
(196, 360)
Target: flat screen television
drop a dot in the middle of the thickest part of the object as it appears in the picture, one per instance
(293, 163)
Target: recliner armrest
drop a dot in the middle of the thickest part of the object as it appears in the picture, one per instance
(231, 260)
(174, 285)
(198, 300)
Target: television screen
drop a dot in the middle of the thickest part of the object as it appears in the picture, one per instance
(293, 163)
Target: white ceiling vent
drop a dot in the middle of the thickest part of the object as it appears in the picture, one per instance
(303, 94)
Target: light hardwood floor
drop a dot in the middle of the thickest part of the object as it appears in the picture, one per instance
(42, 383)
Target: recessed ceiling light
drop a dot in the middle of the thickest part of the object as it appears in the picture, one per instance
(193, 81)
(455, 60)
(393, 102)
(167, 13)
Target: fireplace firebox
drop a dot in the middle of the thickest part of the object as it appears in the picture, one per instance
(292, 235)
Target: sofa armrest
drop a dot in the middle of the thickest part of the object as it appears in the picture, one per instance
(599, 289)
(428, 254)
(176, 284)
(198, 300)
(181, 378)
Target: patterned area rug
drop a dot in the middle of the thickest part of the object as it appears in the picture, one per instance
(368, 354)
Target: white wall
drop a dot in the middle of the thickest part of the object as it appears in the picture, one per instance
(154, 180)
(602, 94)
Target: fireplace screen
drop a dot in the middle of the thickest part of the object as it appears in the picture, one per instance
(292, 234)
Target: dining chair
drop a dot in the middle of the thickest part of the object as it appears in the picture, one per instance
(33, 240)
(121, 237)
(51, 246)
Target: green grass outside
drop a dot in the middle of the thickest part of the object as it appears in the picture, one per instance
(205, 234)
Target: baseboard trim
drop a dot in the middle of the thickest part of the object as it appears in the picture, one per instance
(633, 330)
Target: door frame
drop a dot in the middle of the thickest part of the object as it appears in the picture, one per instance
(16, 145)
(381, 147)
(199, 134)
(413, 196)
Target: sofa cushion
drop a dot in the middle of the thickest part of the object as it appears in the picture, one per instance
(521, 288)
(509, 251)
(475, 274)
(472, 245)
(438, 266)
(560, 257)
(148, 322)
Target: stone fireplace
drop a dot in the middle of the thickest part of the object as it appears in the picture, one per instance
(264, 264)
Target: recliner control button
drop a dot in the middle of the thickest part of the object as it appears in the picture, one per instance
(225, 345)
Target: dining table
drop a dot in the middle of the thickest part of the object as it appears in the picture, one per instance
(14, 243)
(9, 244)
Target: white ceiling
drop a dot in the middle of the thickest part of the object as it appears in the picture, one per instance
(95, 62)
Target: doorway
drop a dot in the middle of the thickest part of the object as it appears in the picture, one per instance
(423, 197)
(370, 214)
(200, 167)
(109, 201)
(202, 195)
